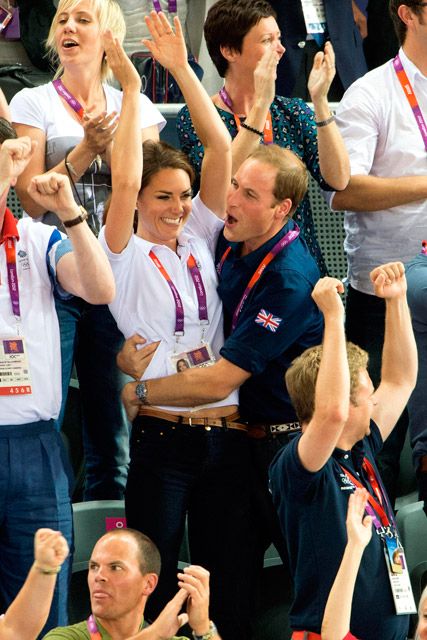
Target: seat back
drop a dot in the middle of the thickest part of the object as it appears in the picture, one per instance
(412, 525)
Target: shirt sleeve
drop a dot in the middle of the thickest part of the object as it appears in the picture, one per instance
(278, 314)
(289, 477)
(203, 223)
(58, 246)
(27, 107)
(150, 114)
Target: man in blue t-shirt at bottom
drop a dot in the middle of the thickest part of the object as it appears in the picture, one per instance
(344, 424)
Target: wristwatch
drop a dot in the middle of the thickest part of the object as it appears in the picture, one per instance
(78, 219)
(141, 392)
(213, 631)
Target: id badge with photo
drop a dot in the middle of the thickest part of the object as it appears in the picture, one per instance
(200, 356)
(314, 16)
(15, 377)
(398, 574)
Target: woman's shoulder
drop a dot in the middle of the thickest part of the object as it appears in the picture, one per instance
(33, 94)
(292, 106)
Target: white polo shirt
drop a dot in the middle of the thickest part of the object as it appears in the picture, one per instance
(39, 322)
(144, 302)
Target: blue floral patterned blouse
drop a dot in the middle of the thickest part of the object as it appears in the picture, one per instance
(293, 128)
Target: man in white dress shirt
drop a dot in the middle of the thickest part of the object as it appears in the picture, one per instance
(381, 120)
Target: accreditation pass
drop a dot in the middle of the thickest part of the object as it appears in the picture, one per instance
(14, 370)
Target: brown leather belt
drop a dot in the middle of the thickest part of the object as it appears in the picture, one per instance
(259, 431)
(228, 422)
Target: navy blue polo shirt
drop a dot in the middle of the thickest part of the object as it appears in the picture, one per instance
(277, 323)
(312, 510)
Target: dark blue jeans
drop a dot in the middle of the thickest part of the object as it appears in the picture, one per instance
(180, 470)
(365, 316)
(34, 493)
(90, 337)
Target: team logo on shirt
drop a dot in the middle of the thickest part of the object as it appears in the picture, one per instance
(267, 320)
(23, 259)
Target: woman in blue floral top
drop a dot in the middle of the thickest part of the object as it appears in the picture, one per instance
(243, 40)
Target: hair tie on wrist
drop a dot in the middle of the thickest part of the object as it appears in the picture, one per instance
(324, 123)
(251, 129)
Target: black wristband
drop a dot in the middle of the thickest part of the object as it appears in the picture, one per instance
(77, 220)
(251, 129)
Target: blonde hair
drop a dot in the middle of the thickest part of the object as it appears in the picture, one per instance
(109, 15)
(301, 377)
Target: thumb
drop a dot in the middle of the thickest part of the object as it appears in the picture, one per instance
(318, 59)
(182, 619)
(137, 339)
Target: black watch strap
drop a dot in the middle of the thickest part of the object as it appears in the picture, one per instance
(83, 215)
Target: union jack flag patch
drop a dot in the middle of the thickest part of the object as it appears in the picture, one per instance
(267, 320)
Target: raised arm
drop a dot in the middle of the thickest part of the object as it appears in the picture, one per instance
(85, 271)
(15, 154)
(126, 156)
(168, 47)
(333, 157)
(399, 359)
(336, 618)
(332, 395)
(28, 613)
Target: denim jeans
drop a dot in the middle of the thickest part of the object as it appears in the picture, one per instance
(365, 316)
(34, 493)
(90, 337)
(178, 470)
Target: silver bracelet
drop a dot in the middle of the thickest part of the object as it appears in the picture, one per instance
(324, 123)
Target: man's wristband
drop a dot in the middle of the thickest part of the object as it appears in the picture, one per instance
(212, 632)
(78, 219)
(47, 571)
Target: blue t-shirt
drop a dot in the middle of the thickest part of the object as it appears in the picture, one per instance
(277, 323)
(312, 509)
(294, 128)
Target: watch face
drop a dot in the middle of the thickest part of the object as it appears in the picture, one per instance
(141, 391)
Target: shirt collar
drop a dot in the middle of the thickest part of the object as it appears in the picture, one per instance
(411, 69)
(10, 228)
(253, 258)
(356, 454)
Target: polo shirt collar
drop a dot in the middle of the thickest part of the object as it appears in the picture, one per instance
(356, 454)
(253, 258)
(10, 228)
(147, 246)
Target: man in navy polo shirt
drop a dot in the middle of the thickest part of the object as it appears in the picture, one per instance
(266, 276)
(344, 424)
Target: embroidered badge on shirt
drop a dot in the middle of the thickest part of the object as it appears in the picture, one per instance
(267, 320)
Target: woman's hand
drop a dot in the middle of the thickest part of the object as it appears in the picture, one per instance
(265, 75)
(322, 73)
(123, 69)
(166, 46)
(359, 526)
(99, 130)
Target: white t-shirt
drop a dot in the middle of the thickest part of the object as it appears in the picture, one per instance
(42, 107)
(144, 302)
(383, 140)
(39, 322)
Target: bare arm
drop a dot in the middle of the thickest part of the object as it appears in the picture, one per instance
(190, 388)
(399, 360)
(332, 394)
(169, 49)
(336, 618)
(333, 157)
(28, 613)
(85, 271)
(4, 107)
(371, 193)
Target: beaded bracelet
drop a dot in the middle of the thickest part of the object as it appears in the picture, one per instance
(324, 123)
(251, 129)
(47, 572)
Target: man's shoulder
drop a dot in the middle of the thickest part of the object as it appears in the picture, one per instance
(77, 631)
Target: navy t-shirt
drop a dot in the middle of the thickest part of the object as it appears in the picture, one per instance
(277, 323)
(312, 509)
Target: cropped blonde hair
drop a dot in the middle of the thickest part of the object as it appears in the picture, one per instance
(109, 15)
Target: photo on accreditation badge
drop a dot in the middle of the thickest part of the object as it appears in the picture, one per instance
(395, 556)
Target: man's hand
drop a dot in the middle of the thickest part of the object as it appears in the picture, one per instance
(134, 361)
(14, 157)
(326, 295)
(168, 622)
(389, 280)
(359, 526)
(50, 549)
(53, 192)
(195, 581)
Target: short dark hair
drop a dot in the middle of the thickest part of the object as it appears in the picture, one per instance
(399, 26)
(227, 23)
(7, 132)
(161, 155)
(148, 553)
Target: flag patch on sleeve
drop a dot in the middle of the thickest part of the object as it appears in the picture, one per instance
(267, 320)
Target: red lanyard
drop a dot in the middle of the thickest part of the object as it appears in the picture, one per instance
(376, 504)
(196, 276)
(268, 126)
(411, 97)
(287, 239)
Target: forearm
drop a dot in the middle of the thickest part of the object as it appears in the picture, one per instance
(336, 618)
(28, 613)
(333, 157)
(371, 193)
(399, 360)
(333, 381)
(246, 142)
